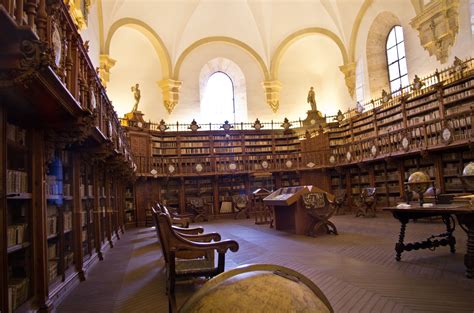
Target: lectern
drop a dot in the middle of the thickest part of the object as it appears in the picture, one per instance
(288, 210)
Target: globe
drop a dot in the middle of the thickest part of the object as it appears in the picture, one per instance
(258, 288)
(468, 174)
(419, 182)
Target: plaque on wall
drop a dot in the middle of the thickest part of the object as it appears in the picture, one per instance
(348, 156)
(199, 167)
(447, 135)
(405, 143)
(374, 150)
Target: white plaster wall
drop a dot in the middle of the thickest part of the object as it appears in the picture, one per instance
(91, 33)
(312, 61)
(137, 62)
(418, 60)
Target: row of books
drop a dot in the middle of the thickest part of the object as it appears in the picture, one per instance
(16, 234)
(52, 270)
(17, 292)
(17, 182)
(458, 96)
(458, 87)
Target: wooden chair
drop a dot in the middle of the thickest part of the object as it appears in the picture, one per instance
(366, 203)
(199, 208)
(263, 213)
(321, 210)
(240, 203)
(176, 219)
(340, 202)
(182, 230)
(187, 258)
(148, 218)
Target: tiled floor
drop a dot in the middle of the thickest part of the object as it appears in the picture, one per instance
(356, 270)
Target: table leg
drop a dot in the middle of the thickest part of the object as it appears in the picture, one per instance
(449, 230)
(400, 246)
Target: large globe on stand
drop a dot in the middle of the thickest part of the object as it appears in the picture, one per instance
(468, 178)
(419, 182)
(468, 175)
(258, 288)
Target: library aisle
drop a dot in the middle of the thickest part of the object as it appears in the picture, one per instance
(356, 270)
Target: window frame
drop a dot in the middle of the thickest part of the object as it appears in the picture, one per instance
(397, 60)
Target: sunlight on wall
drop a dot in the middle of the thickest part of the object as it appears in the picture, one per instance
(137, 62)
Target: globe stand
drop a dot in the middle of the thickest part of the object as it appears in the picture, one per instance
(420, 188)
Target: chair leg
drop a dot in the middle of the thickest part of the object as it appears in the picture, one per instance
(331, 228)
(310, 231)
(318, 226)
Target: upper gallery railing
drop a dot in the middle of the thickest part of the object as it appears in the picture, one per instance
(364, 134)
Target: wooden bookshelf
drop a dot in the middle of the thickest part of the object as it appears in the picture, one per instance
(405, 132)
(58, 130)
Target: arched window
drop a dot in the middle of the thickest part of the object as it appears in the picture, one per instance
(218, 98)
(397, 64)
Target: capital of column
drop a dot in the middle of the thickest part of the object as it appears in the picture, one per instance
(272, 93)
(348, 70)
(170, 90)
(106, 63)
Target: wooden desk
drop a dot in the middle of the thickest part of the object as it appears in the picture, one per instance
(288, 210)
(464, 215)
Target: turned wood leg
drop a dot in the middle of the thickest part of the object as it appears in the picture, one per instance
(399, 246)
(449, 230)
(469, 257)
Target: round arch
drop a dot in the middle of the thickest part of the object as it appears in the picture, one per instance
(275, 64)
(223, 39)
(146, 30)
